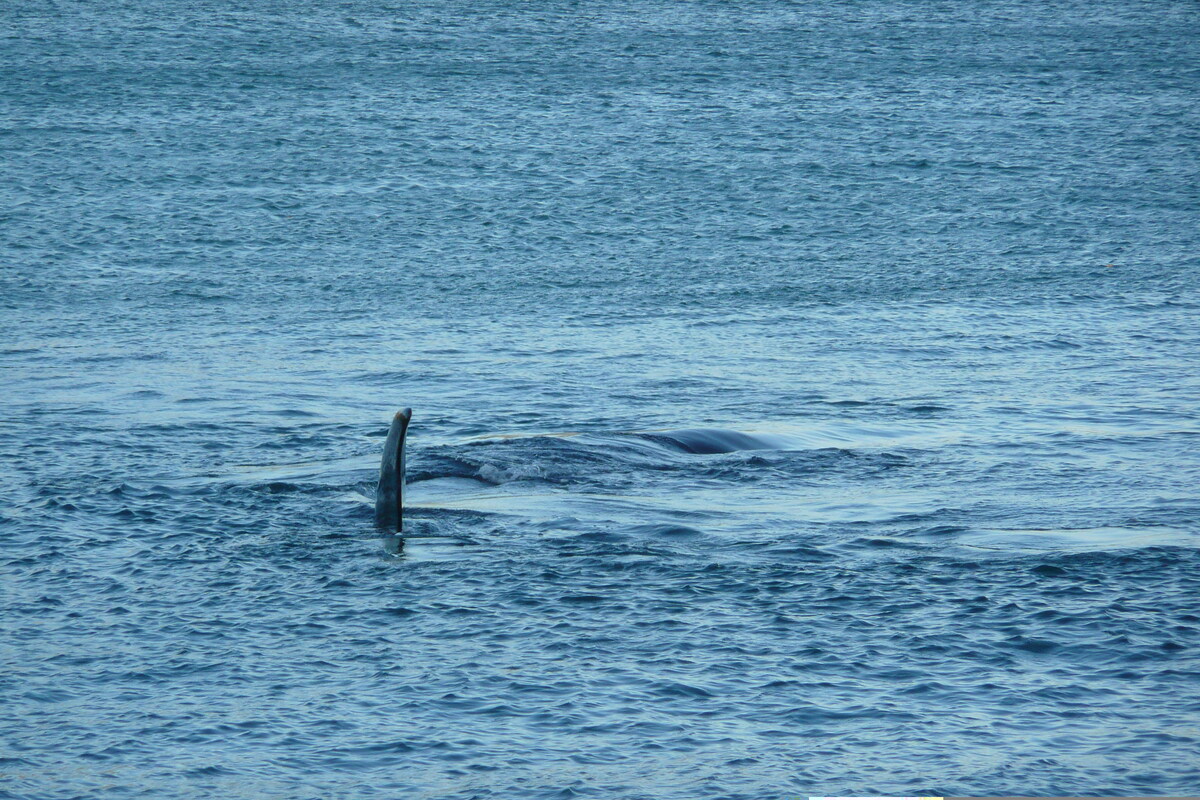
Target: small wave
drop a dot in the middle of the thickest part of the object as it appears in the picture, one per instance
(516, 472)
(436, 466)
(666, 531)
(440, 466)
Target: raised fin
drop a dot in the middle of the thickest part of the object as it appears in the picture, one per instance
(389, 497)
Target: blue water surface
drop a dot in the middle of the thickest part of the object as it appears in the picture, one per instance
(806, 398)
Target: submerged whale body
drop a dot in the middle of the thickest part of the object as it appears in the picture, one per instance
(389, 496)
(704, 441)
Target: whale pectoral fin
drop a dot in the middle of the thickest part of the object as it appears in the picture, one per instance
(389, 496)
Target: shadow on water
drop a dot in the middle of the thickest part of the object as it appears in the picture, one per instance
(417, 547)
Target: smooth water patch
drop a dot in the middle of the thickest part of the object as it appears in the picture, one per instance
(1071, 540)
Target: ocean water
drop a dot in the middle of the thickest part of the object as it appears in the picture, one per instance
(805, 399)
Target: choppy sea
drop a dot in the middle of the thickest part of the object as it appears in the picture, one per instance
(806, 399)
